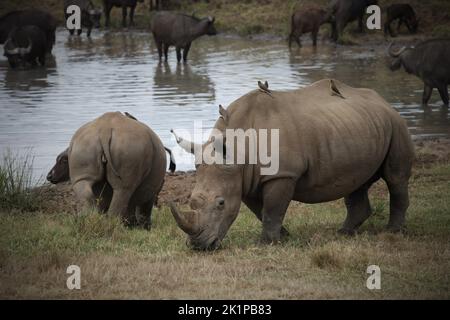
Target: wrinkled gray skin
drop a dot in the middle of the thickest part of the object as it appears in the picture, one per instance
(342, 12)
(179, 30)
(330, 147)
(430, 61)
(124, 4)
(90, 16)
(45, 21)
(26, 46)
(119, 160)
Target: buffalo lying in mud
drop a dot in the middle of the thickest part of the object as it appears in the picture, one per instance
(430, 61)
(334, 141)
(179, 30)
(116, 164)
(124, 4)
(304, 21)
(342, 12)
(25, 46)
(45, 21)
(90, 16)
(405, 14)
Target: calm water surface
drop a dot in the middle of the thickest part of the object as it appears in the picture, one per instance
(120, 71)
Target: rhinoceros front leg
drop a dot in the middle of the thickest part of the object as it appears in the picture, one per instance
(358, 210)
(277, 194)
(256, 206)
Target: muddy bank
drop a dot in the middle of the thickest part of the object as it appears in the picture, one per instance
(178, 186)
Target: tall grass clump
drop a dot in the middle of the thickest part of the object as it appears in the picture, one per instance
(16, 183)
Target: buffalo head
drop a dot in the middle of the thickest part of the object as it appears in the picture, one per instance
(209, 26)
(399, 57)
(60, 171)
(17, 56)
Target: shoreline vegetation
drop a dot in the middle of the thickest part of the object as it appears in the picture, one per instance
(37, 246)
(268, 18)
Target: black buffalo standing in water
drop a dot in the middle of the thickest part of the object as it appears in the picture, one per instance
(90, 16)
(430, 61)
(124, 4)
(342, 12)
(24, 46)
(45, 21)
(179, 30)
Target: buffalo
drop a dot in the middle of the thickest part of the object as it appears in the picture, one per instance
(116, 164)
(342, 12)
(405, 14)
(179, 30)
(304, 21)
(25, 46)
(124, 4)
(45, 21)
(333, 141)
(90, 16)
(430, 61)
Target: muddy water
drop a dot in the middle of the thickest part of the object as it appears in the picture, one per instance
(42, 108)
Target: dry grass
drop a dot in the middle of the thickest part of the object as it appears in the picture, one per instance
(314, 263)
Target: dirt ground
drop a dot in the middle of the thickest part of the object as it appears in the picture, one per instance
(178, 186)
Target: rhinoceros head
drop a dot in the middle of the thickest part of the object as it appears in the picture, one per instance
(60, 171)
(214, 202)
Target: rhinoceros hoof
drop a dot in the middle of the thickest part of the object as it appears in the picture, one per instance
(284, 233)
(395, 229)
(347, 232)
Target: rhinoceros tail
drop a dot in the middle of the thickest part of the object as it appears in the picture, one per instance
(173, 165)
(105, 141)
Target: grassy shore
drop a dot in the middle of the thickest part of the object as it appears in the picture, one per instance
(315, 262)
(253, 17)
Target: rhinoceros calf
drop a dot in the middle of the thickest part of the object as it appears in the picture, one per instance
(334, 141)
(118, 160)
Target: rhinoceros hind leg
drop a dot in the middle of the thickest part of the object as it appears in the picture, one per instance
(398, 204)
(144, 215)
(83, 191)
(277, 194)
(120, 202)
(358, 210)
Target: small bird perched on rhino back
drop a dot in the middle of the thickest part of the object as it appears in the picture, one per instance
(264, 87)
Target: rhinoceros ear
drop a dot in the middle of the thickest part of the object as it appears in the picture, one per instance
(223, 113)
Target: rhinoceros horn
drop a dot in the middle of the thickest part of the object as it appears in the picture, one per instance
(185, 144)
(395, 54)
(182, 221)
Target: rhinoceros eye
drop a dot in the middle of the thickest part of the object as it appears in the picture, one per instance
(220, 203)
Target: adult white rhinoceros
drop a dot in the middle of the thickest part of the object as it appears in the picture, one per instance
(115, 163)
(334, 141)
